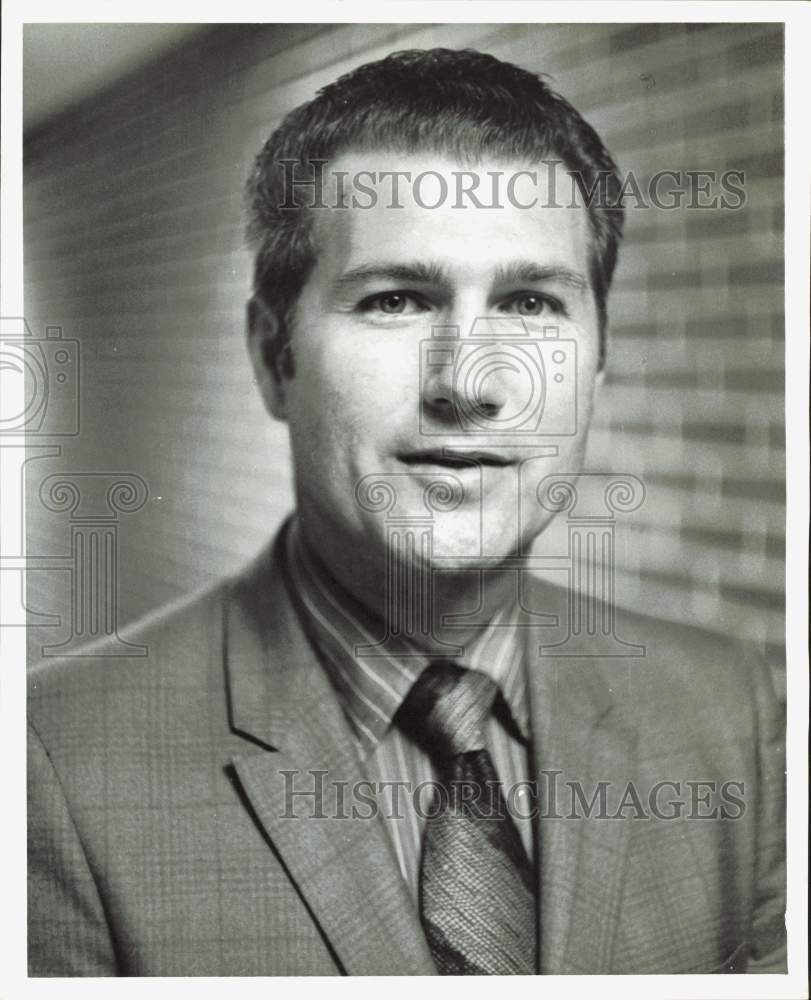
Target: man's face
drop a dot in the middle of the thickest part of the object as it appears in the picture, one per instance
(369, 397)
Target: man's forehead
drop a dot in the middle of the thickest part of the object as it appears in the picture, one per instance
(424, 204)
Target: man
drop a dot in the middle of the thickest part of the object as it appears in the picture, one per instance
(388, 747)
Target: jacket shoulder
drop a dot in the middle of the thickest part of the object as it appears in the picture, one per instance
(671, 674)
(175, 651)
(692, 680)
(687, 653)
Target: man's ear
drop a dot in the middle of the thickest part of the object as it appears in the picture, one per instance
(264, 330)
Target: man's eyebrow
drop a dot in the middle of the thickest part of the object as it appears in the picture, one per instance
(429, 273)
(417, 272)
(528, 272)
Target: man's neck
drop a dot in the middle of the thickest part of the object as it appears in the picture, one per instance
(412, 597)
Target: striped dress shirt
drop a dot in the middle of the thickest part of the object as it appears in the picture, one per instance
(371, 689)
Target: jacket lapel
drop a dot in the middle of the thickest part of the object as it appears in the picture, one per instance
(283, 704)
(297, 740)
(579, 737)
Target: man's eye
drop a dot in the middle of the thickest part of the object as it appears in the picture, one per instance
(391, 304)
(534, 305)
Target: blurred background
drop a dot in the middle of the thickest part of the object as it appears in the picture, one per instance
(138, 140)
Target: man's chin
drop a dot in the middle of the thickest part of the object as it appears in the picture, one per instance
(452, 543)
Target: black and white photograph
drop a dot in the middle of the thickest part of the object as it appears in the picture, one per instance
(405, 496)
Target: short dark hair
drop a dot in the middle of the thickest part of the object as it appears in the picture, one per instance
(460, 103)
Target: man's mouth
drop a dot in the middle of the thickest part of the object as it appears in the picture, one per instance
(454, 458)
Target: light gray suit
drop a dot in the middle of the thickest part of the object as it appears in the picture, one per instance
(159, 843)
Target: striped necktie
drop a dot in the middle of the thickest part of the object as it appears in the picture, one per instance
(477, 887)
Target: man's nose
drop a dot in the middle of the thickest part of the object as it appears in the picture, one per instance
(449, 389)
(466, 377)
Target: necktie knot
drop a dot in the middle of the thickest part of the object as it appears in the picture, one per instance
(447, 709)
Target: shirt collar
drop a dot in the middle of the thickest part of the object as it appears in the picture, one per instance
(372, 678)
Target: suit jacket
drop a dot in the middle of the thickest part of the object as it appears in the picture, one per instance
(163, 839)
